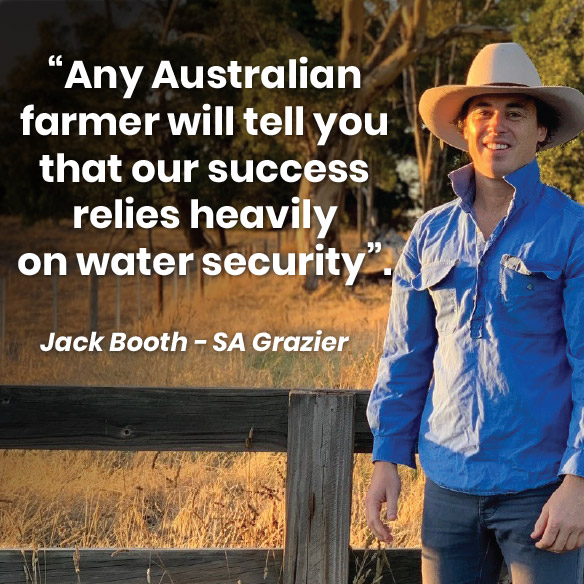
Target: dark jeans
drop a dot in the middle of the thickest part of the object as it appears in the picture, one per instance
(465, 539)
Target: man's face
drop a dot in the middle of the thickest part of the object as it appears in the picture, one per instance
(502, 133)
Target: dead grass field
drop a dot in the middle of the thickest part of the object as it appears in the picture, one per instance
(180, 499)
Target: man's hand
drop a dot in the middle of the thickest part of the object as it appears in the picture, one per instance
(385, 487)
(561, 522)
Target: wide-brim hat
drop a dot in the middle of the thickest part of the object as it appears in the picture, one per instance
(501, 68)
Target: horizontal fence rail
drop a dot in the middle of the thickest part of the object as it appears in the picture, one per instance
(319, 430)
(133, 418)
(194, 566)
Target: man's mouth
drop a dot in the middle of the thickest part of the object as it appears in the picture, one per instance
(496, 146)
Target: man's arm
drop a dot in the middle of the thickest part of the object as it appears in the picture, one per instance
(399, 395)
(405, 369)
(561, 523)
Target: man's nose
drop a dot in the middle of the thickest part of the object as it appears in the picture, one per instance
(497, 122)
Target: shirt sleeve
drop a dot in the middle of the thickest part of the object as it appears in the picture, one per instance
(573, 314)
(405, 370)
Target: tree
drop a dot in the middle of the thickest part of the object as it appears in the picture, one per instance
(553, 36)
(402, 36)
(191, 33)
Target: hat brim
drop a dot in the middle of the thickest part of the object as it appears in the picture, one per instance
(440, 106)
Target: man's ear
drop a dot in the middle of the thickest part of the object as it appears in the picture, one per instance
(541, 134)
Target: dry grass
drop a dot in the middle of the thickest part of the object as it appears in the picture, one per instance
(178, 499)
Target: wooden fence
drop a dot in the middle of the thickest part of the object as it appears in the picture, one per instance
(319, 430)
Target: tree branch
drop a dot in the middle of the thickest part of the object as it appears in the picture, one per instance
(494, 33)
(420, 18)
(484, 10)
(407, 99)
(195, 36)
(383, 44)
(168, 22)
(385, 74)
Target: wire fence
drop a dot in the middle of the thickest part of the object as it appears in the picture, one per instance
(33, 306)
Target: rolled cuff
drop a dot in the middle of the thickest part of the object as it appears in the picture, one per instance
(392, 449)
(572, 462)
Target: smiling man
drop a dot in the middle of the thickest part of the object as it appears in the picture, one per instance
(482, 369)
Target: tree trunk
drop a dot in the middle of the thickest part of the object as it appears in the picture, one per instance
(381, 69)
(108, 16)
(327, 194)
(222, 236)
(352, 33)
(359, 195)
(431, 159)
(196, 236)
(372, 227)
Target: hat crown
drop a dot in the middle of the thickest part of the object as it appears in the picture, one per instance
(503, 64)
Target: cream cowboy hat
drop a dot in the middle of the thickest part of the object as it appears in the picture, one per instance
(500, 68)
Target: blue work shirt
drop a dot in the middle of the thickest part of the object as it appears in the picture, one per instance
(483, 361)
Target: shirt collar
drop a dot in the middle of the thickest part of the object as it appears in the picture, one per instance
(525, 181)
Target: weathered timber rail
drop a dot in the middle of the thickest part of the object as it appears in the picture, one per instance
(319, 429)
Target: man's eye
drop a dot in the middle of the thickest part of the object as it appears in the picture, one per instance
(514, 114)
(482, 113)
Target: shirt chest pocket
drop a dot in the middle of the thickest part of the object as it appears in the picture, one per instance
(438, 279)
(531, 294)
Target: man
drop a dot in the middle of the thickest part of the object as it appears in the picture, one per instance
(483, 363)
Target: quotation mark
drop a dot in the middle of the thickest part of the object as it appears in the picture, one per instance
(55, 61)
(375, 247)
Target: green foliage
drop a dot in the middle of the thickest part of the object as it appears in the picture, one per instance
(553, 37)
(328, 9)
(203, 32)
(253, 32)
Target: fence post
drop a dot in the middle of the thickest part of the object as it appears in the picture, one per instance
(160, 294)
(175, 286)
(359, 216)
(118, 300)
(139, 300)
(55, 300)
(318, 487)
(201, 278)
(93, 302)
(2, 312)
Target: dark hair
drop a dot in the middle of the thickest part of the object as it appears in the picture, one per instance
(547, 117)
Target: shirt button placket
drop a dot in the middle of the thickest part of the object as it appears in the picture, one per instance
(477, 319)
